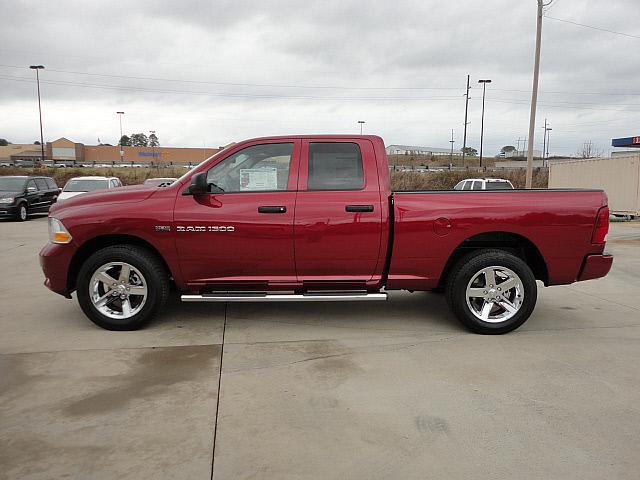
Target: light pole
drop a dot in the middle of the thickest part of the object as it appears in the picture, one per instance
(548, 132)
(36, 68)
(153, 150)
(484, 91)
(361, 122)
(120, 114)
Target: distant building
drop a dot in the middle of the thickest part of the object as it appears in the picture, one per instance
(66, 152)
(415, 150)
(520, 153)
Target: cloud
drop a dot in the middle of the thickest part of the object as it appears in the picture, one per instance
(218, 71)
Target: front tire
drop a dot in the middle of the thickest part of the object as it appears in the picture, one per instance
(122, 287)
(23, 213)
(491, 291)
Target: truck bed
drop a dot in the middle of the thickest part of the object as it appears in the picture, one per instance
(430, 225)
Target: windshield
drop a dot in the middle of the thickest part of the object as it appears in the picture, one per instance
(499, 186)
(12, 184)
(85, 185)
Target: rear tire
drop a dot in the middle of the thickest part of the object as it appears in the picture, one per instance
(491, 291)
(122, 287)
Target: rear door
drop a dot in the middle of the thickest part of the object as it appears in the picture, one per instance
(47, 195)
(34, 196)
(338, 224)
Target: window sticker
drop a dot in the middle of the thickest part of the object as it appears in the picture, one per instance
(258, 179)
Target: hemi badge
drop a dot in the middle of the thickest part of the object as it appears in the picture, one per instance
(163, 228)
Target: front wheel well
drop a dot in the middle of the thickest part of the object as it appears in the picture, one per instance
(97, 243)
(510, 242)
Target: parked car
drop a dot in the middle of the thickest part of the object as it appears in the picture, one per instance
(227, 232)
(23, 195)
(160, 182)
(79, 185)
(484, 184)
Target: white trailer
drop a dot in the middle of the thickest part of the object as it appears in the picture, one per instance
(619, 177)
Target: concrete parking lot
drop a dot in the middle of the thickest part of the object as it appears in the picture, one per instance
(320, 391)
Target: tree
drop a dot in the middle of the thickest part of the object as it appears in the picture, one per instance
(589, 150)
(37, 142)
(125, 141)
(139, 140)
(508, 149)
(4, 142)
(472, 152)
(153, 140)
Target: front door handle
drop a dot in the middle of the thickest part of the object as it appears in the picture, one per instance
(272, 209)
(359, 208)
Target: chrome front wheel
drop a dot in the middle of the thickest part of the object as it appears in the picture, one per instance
(118, 290)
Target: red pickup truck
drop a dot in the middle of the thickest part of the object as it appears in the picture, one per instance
(313, 218)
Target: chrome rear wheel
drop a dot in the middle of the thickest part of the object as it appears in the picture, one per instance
(495, 294)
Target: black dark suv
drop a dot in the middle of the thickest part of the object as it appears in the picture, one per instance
(22, 195)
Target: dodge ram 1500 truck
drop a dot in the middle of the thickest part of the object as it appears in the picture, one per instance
(313, 218)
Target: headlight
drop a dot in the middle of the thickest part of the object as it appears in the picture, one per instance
(57, 232)
(6, 200)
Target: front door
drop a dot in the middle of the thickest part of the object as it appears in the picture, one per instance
(241, 235)
(338, 225)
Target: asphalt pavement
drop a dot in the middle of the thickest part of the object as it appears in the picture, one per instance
(320, 391)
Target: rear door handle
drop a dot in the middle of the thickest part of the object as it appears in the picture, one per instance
(359, 208)
(272, 209)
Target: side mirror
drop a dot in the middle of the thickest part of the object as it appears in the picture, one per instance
(198, 186)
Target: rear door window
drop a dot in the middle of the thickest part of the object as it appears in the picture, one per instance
(499, 186)
(477, 185)
(335, 166)
(42, 184)
(51, 183)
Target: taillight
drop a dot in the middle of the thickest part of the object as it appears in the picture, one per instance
(602, 226)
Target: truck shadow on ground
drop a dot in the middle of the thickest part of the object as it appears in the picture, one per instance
(419, 311)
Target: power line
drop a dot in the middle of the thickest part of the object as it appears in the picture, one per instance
(234, 84)
(330, 87)
(592, 27)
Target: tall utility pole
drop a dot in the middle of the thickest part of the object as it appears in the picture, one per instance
(466, 112)
(534, 94)
(484, 91)
(361, 122)
(452, 141)
(120, 114)
(36, 68)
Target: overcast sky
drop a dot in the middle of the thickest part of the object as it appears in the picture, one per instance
(212, 72)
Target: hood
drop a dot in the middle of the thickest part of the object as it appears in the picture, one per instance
(6, 193)
(66, 195)
(134, 193)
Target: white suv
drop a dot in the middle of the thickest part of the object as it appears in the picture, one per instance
(79, 185)
(484, 184)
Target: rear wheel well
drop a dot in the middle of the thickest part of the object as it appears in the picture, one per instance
(510, 242)
(91, 246)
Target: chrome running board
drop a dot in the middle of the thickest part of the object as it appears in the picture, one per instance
(274, 297)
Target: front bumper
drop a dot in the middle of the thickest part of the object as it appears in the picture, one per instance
(595, 266)
(8, 211)
(55, 261)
